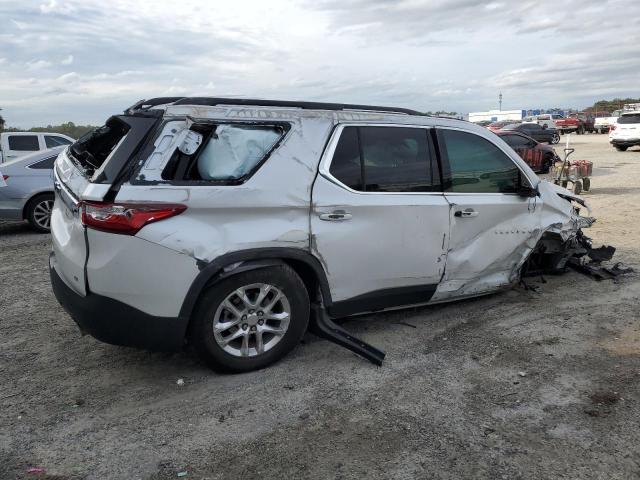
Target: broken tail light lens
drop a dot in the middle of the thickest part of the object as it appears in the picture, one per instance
(126, 218)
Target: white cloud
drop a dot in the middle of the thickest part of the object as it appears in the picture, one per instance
(37, 64)
(20, 25)
(425, 54)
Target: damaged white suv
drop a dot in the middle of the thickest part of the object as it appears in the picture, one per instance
(224, 223)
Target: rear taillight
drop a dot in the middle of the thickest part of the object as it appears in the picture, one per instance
(5, 177)
(126, 218)
(612, 128)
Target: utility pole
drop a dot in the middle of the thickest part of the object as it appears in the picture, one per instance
(500, 101)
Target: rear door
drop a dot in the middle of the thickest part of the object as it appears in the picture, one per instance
(490, 224)
(379, 220)
(86, 171)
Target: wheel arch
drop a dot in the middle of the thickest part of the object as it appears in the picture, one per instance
(27, 202)
(303, 263)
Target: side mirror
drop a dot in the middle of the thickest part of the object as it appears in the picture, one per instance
(544, 126)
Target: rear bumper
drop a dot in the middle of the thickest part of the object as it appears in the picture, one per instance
(117, 323)
(627, 142)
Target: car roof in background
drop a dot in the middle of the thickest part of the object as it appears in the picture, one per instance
(33, 157)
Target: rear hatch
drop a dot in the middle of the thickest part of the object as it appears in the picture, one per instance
(88, 170)
(627, 127)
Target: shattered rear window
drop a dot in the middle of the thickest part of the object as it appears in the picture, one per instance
(628, 119)
(93, 148)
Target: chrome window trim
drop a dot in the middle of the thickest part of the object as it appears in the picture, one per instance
(327, 156)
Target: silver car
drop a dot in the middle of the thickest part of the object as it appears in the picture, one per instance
(28, 194)
(231, 224)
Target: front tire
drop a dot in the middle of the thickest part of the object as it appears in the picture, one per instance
(251, 319)
(621, 148)
(555, 139)
(38, 212)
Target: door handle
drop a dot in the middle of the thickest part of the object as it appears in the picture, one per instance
(335, 216)
(466, 213)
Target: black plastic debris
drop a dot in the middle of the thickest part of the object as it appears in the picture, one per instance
(324, 327)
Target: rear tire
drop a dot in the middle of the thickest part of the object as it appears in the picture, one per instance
(586, 184)
(621, 148)
(556, 138)
(38, 212)
(253, 345)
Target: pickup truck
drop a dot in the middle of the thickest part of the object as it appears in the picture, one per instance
(16, 144)
(576, 122)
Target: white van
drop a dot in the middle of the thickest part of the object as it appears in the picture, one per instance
(17, 144)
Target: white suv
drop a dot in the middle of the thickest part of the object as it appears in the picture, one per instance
(224, 223)
(625, 132)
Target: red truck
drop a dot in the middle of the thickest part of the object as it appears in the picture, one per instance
(576, 122)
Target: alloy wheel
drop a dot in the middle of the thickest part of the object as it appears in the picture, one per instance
(42, 213)
(252, 320)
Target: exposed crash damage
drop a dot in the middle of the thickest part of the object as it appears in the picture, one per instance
(233, 225)
(564, 245)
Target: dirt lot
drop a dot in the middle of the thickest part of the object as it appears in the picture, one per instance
(520, 384)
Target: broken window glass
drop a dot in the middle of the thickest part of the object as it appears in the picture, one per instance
(232, 151)
(228, 153)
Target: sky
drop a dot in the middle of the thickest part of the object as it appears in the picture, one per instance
(84, 60)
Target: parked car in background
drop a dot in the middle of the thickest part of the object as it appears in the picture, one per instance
(483, 123)
(17, 144)
(495, 126)
(576, 122)
(625, 132)
(545, 119)
(28, 194)
(601, 122)
(539, 156)
(225, 222)
(535, 131)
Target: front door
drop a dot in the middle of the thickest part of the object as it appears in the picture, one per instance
(379, 220)
(493, 228)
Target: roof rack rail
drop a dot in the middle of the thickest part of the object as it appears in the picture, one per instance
(214, 101)
(152, 102)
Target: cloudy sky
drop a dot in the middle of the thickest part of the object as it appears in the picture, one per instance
(84, 60)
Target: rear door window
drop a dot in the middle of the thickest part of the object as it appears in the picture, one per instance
(46, 164)
(385, 159)
(54, 141)
(24, 143)
(476, 165)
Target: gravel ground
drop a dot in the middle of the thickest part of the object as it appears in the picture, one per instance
(521, 384)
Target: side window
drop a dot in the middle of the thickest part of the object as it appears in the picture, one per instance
(477, 165)
(24, 143)
(345, 164)
(55, 141)
(515, 141)
(46, 164)
(385, 159)
(228, 153)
